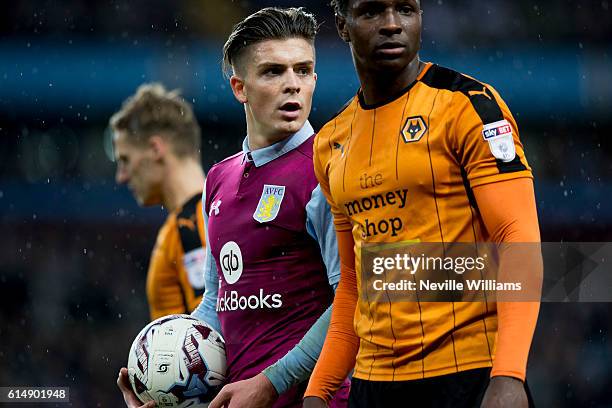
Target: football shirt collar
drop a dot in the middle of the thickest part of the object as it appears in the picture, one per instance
(265, 155)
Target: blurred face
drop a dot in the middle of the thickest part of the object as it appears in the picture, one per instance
(138, 168)
(385, 35)
(275, 80)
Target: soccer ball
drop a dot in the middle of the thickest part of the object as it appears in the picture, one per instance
(177, 361)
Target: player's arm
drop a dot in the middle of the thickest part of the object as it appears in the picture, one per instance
(206, 310)
(337, 357)
(490, 151)
(508, 210)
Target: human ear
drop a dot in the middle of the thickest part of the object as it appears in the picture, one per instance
(158, 147)
(342, 29)
(237, 85)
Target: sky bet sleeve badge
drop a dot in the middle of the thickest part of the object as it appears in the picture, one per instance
(501, 142)
(269, 203)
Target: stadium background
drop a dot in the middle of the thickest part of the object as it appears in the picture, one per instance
(75, 248)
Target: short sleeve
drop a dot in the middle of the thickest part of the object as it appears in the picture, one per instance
(487, 138)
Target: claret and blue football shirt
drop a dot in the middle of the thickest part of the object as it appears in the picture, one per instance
(272, 254)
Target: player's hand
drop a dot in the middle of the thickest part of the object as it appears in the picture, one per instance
(314, 402)
(256, 392)
(504, 392)
(131, 400)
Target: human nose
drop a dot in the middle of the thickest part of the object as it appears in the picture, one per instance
(121, 176)
(391, 23)
(292, 82)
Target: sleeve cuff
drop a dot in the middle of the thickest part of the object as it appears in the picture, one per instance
(508, 373)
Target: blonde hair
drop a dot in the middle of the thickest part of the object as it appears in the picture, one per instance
(153, 110)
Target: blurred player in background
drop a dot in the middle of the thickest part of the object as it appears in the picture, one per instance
(272, 258)
(442, 152)
(157, 149)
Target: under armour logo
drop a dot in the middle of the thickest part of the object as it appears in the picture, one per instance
(483, 92)
(214, 207)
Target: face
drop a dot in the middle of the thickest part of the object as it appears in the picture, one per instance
(275, 80)
(138, 168)
(384, 34)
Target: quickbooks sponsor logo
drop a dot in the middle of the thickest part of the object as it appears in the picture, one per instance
(232, 301)
(230, 258)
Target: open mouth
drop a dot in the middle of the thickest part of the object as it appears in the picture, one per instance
(290, 107)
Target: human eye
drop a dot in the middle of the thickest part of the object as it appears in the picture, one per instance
(406, 8)
(272, 71)
(305, 70)
(370, 10)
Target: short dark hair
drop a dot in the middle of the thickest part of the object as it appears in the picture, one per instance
(340, 6)
(270, 23)
(154, 110)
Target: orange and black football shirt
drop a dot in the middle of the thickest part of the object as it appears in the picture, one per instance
(175, 281)
(404, 171)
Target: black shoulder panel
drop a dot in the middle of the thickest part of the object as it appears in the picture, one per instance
(188, 225)
(480, 96)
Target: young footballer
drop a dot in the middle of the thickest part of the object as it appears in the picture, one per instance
(157, 149)
(421, 153)
(272, 258)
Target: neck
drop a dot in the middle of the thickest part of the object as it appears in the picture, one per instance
(378, 87)
(259, 136)
(184, 179)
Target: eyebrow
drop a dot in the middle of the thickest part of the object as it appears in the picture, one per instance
(367, 3)
(269, 64)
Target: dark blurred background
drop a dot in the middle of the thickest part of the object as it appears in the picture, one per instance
(75, 248)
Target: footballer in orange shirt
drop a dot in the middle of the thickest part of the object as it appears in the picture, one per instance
(157, 149)
(421, 153)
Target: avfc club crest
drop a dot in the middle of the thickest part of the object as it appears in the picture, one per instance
(269, 203)
(414, 129)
